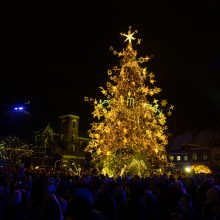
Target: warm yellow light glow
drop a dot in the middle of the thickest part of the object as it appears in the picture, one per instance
(164, 103)
(152, 81)
(125, 131)
(130, 135)
(108, 153)
(125, 141)
(155, 101)
(99, 151)
(200, 168)
(187, 169)
(129, 36)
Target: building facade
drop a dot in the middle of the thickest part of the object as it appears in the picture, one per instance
(71, 144)
(196, 148)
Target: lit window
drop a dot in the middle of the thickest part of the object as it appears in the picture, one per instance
(178, 158)
(185, 158)
(194, 156)
(171, 158)
(205, 156)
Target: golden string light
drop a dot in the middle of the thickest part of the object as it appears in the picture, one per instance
(130, 137)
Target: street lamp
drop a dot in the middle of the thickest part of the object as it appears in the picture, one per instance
(187, 169)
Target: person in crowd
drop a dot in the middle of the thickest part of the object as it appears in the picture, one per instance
(211, 208)
(17, 201)
(105, 201)
(52, 205)
(80, 207)
(61, 196)
(186, 208)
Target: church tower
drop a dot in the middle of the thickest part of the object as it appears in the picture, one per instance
(69, 134)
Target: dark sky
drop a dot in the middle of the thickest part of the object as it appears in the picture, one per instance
(58, 53)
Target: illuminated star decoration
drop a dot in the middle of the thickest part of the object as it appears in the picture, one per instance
(129, 36)
(164, 102)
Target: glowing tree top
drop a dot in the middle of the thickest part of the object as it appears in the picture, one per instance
(129, 135)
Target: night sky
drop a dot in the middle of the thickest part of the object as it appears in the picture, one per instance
(58, 53)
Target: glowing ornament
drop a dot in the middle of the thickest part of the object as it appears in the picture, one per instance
(125, 131)
(108, 153)
(152, 81)
(129, 36)
(151, 75)
(164, 103)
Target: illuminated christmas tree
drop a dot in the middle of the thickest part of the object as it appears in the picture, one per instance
(44, 146)
(129, 135)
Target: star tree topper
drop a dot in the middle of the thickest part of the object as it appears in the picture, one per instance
(129, 36)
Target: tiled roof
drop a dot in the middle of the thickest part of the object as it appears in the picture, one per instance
(205, 137)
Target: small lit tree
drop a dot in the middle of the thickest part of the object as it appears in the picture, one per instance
(129, 136)
(44, 145)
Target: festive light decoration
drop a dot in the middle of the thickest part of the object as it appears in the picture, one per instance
(200, 168)
(37, 150)
(13, 150)
(44, 146)
(129, 137)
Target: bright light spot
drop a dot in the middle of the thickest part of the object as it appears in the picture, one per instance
(108, 153)
(200, 168)
(187, 169)
(19, 108)
(37, 167)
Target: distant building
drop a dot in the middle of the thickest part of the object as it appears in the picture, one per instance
(70, 146)
(196, 147)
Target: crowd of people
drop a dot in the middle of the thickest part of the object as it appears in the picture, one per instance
(53, 196)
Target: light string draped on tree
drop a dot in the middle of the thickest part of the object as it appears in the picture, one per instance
(129, 136)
